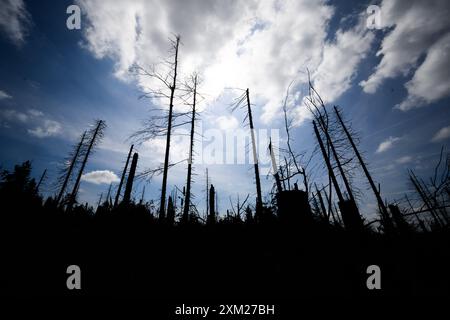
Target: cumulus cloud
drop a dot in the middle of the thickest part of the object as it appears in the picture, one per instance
(418, 30)
(14, 20)
(387, 144)
(47, 129)
(4, 95)
(261, 45)
(38, 125)
(100, 177)
(431, 81)
(442, 134)
(227, 122)
(341, 59)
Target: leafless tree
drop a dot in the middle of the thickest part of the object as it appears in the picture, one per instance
(161, 123)
(238, 211)
(435, 195)
(192, 87)
(292, 165)
(94, 135)
(122, 178)
(65, 173)
(243, 102)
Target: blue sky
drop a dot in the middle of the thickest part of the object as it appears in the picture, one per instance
(55, 81)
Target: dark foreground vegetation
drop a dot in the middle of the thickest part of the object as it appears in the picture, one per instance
(302, 241)
(285, 251)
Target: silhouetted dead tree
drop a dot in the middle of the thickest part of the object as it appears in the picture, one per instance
(130, 179)
(94, 135)
(187, 199)
(161, 125)
(275, 168)
(108, 195)
(434, 195)
(328, 163)
(239, 206)
(142, 196)
(41, 180)
(170, 212)
(384, 213)
(321, 115)
(255, 157)
(124, 172)
(337, 149)
(207, 192)
(322, 204)
(415, 181)
(243, 102)
(100, 200)
(292, 166)
(211, 219)
(66, 173)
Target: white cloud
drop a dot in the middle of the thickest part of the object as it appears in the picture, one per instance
(404, 159)
(340, 60)
(4, 95)
(38, 125)
(419, 29)
(179, 147)
(261, 45)
(442, 134)
(387, 144)
(431, 81)
(100, 177)
(14, 116)
(227, 122)
(48, 128)
(14, 20)
(35, 113)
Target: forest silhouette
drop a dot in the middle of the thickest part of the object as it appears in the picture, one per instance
(305, 239)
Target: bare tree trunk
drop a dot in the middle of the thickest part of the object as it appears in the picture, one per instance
(316, 205)
(329, 201)
(381, 205)
(434, 202)
(116, 201)
(421, 223)
(255, 158)
(274, 167)
(83, 165)
(207, 193)
(169, 129)
(69, 172)
(212, 209)
(336, 157)
(424, 197)
(108, 195)
(327, 162)
(129, 186)
(322, 204)
(187, 201)
(41, 180)
(170, 212)
(142, 196)
(100, 200)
